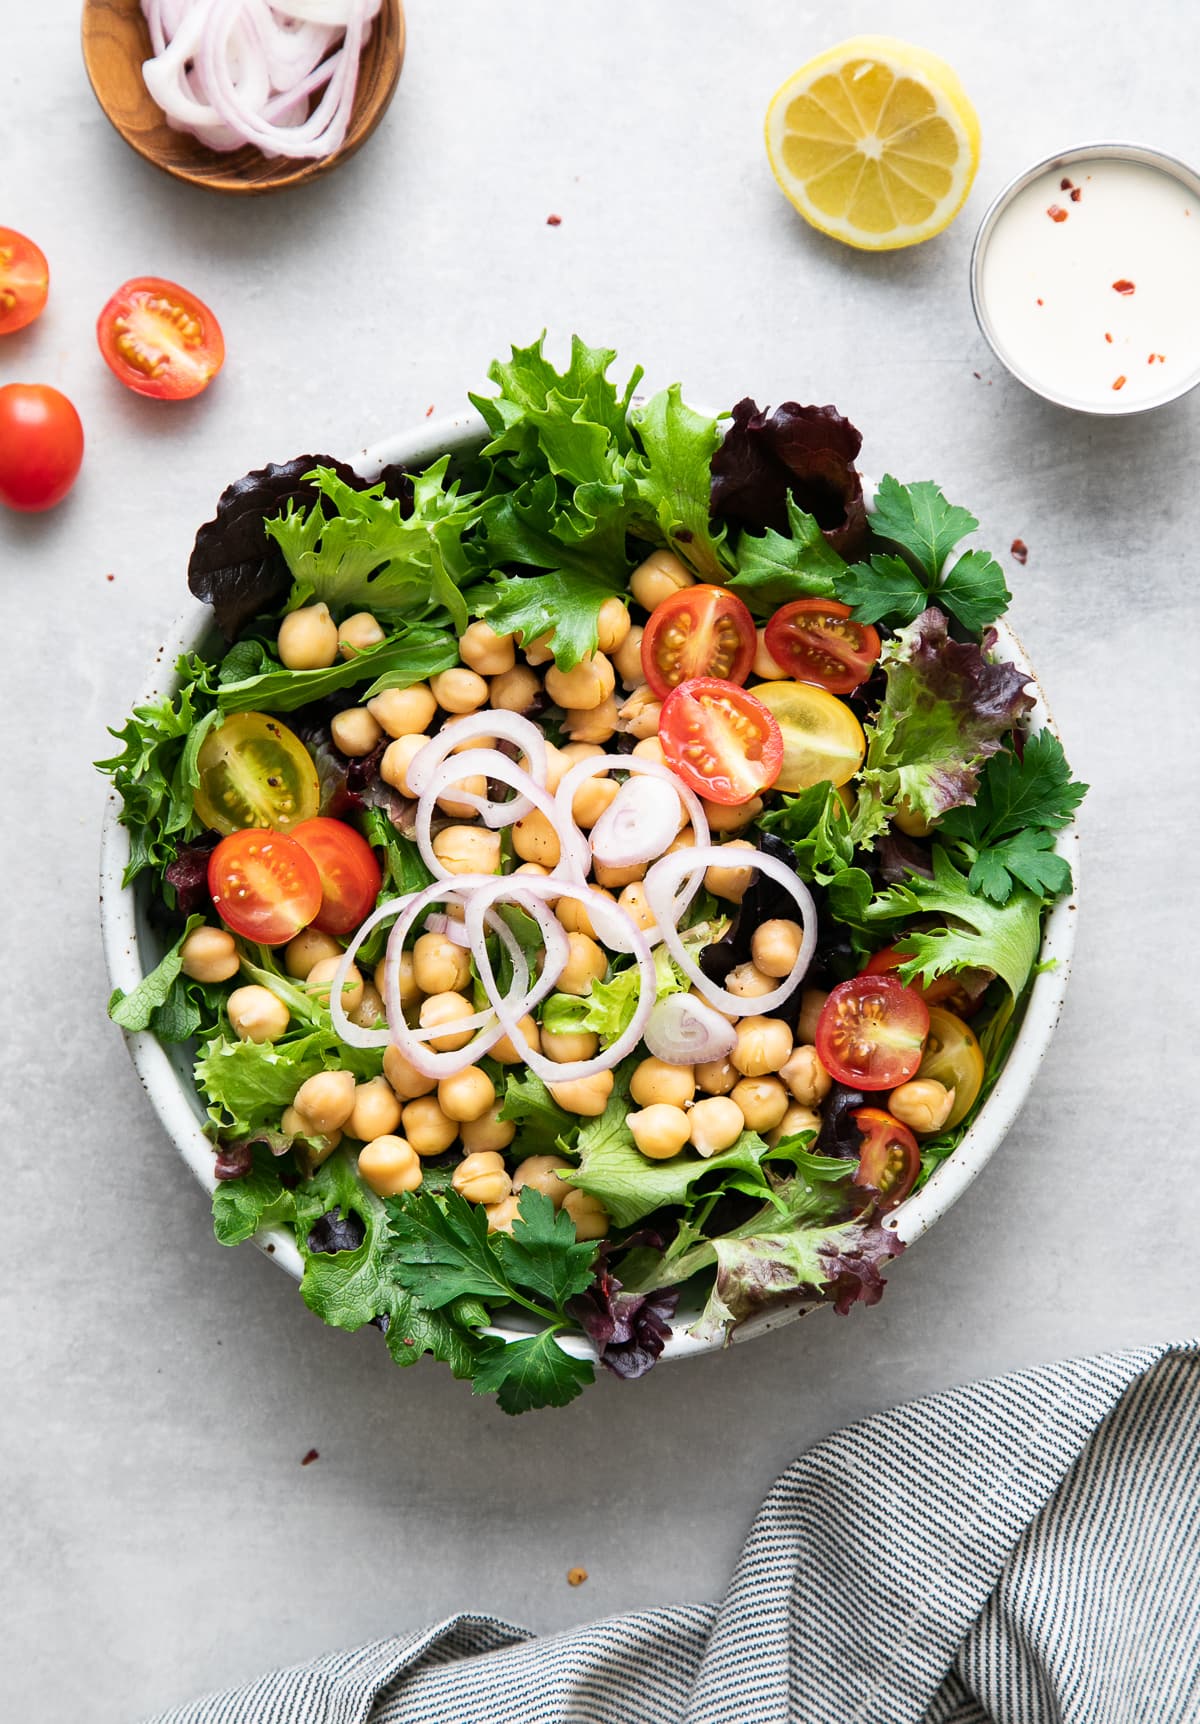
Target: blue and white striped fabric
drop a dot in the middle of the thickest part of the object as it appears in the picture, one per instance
(1021, 1551)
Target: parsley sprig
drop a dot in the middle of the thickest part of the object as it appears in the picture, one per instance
(1008, 836)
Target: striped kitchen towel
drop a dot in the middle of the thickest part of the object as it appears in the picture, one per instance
(1020, 1551)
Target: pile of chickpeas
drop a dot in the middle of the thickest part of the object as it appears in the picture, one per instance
(772, 1082)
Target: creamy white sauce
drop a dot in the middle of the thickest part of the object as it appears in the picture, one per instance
(1048, 275)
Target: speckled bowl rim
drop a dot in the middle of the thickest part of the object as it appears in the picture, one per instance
(165, 1073)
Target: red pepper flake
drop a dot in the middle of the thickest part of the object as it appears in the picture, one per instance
(1057, 213)
(1065, 185)
(553, 221)
(1076, 194)
(576, 1576)
(1107, 336)
(1120, 383)
(1161, 357)
(1019, 551)
(110, 577)
(1123, 286)
(429, 410)
(1041, 302)
(309, 1458)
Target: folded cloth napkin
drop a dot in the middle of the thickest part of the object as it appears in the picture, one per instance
(1016, 1551)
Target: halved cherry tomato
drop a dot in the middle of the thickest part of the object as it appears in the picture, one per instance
(822, 739)
(160, 340)
(350, 875)
(254, 771)
(817, 641)
(954, 1057)
(265, 886)
(889, 1160)
(720, 740)
(24, 281)
(41, 446)
(871, 1032)
(698, 631)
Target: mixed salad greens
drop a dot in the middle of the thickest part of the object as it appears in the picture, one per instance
(713, 840)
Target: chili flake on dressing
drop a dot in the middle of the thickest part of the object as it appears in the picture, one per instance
(1123, 286)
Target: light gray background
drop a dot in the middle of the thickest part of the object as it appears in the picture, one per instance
(160, 1536)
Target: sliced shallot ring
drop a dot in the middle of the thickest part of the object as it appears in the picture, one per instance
(664, 877)
(639, 825)
(602, 763)
(504, 726)
(573, 850)
(683, 1031)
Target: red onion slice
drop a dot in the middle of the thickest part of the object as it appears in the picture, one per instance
(637, 826)
(663, 879)
(685, 1032)
(510, 727)
(490, 763)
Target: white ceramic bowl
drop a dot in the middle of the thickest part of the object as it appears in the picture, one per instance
(132, 949)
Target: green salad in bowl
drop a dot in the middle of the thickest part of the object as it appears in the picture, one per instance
(592, 883)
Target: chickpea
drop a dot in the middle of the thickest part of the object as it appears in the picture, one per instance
(358, 634)
(924, 1105)
(426, 1127)
(655, 1080)
(446, 1008)
(507, 1053)
(650, 748)
(764, 665)
(308, 639)
(256, 1014)
(606, 875)
(535, 840)
(294, 1123)
(489, 1131)
(685, 841)
(556, 767)
(376, 1111)
(660, 1130)
(468, 850)
(585, 1096)
(775, 946)
(594, 725)
(584, 686)
(591, 799)
(409, 991)
(575, 915)
(404, 1077)
(209, 955)
(319, 983)
(326, 1100)
(588, 1213)
(370, 1011)
(307, 949)
(355, 732)
(715, 1123)
(612, 624)
(542, 1172)
(440, 965)
(398, 756)
(730, 883)
(696, 994)
(627, 660)
(641, 713)
(500, 1216)
(534, 870)
(762, 1046)
(459, 690)
(763, 1101)
(636, 905)
(723, 818)
(473, 784)
(482, 1178)
(485, 651)
(587, 962)
(812, 1004)
(805, 1076)
(747, 982)
(466, 1095)
(658, 577)
(573, 752)
(539, 650)
(404, 711)
(389, 1166)
(716, 1077)
(564, 1046)
(796, 1119)
(514, 690)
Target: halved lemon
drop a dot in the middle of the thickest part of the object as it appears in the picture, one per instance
(875, 142)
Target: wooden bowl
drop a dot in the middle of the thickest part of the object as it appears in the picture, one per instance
(116, 40)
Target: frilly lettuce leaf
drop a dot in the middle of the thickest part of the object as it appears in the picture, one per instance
(979, 935)
(673, 479)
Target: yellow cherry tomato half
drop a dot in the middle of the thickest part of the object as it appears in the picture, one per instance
(822, 739)
(254, 771)
(954, 1057)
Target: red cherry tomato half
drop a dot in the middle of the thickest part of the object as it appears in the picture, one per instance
(265, 886)
(817, 640)
(720, 740)
(698, 631)
(160, 340)
(24, 281)
(41, 446)
(350, 875)
(889, 1160)
(871, 1032)
(942, 991)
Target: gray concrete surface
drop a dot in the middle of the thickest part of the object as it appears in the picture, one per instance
(159, 1392)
